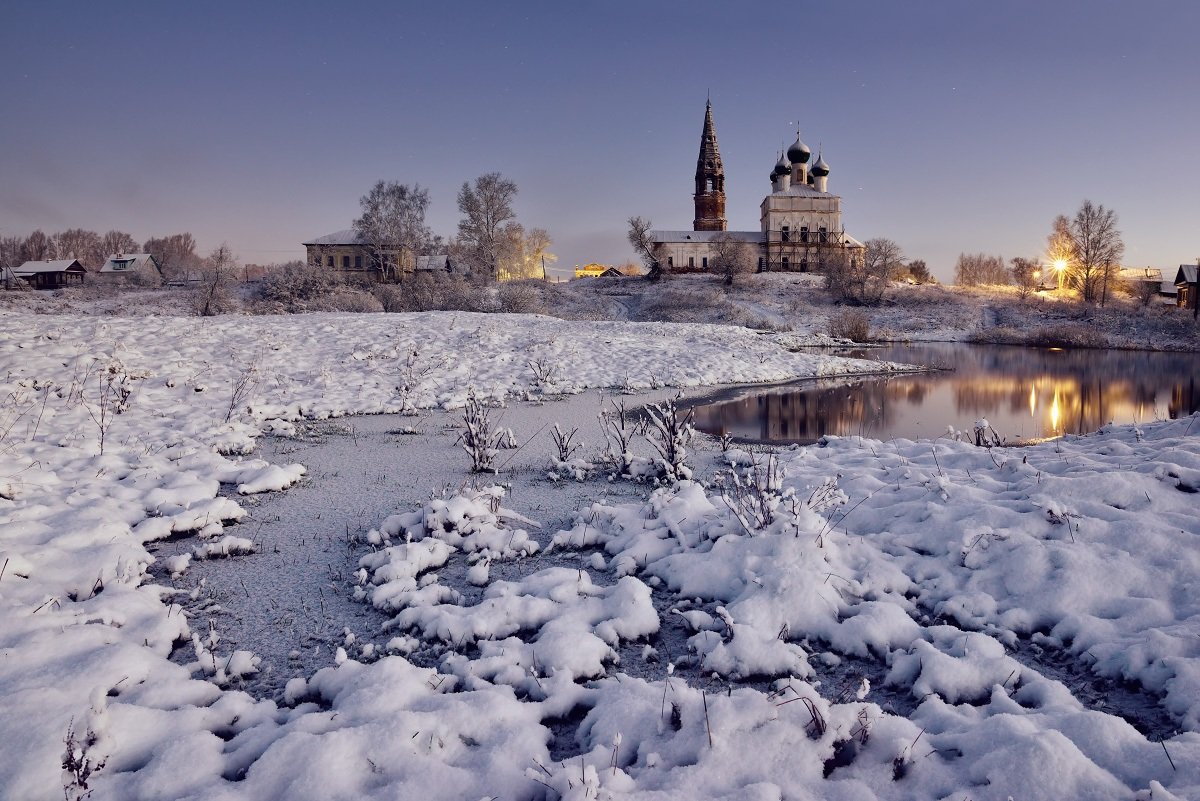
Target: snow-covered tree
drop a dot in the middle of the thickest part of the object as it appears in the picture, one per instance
(732, 257)
(393, 221)
(175, 254)
(523, 253)
(486, 207)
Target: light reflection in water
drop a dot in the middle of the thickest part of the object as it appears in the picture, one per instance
(1025, 393)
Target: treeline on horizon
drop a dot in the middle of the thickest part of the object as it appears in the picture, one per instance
(175, 253)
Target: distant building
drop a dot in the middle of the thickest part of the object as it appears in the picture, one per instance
(590, 270)
(348, 253)
(51, 273)
(344, 251)
(1151, 277)
(1188, 287)
(142, 265)
(800, 220)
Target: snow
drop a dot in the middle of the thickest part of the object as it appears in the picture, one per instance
(854, 619)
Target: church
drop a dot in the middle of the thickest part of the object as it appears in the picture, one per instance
(801, 221)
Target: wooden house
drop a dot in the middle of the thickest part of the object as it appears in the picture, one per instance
(52, 273)
(1187, 283)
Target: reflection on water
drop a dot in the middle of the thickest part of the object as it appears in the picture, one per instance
(1025, 393)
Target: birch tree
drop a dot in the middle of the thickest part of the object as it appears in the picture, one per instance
(486, 207)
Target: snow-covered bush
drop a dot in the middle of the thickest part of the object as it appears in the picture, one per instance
(478, 438)
(619, 429)
(565, 463)
(851, 324)
(669, 432)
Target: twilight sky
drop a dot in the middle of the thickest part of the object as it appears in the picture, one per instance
(948, 125)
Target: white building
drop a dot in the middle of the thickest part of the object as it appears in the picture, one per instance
(800, 221)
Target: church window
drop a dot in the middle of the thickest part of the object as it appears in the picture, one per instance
(786, 233)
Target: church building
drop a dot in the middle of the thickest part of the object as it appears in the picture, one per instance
(800, 220)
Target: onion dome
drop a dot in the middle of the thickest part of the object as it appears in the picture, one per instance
(820, 169)
(798, 153)
(782, 167)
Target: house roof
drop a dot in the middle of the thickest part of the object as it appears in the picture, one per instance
(132, 261)
(1186, 274)
(706, 236)
(1141, 274)
(432, 261)
(48, 266)
(347, 236)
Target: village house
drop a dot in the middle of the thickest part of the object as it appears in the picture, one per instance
(1187, 283)
(51, 273)
(1151, 281)
(140, 266)
(800, 220)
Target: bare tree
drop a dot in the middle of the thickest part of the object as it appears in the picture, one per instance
(919, 271)
(393, 221)
(36, 247)
(175, 254)
(1098, 249)
(732, 257)
(1025, 274)
(863, 278)
(115, 242)
(523, 254)
(216, 291)
(645, 247)
(485, 207)
(81, 244)
(10, 251)
(974, 269)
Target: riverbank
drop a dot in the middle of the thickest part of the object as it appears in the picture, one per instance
(771, 302)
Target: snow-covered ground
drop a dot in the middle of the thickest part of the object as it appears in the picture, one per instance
(858, 619)
(793, 302)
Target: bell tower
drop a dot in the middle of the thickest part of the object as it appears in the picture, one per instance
(710, 180)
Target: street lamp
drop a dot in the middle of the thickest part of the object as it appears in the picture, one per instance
(1060, 265)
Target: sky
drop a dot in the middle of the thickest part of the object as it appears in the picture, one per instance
(950, 126)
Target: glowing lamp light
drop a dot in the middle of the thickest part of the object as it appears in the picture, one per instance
(1060, 266)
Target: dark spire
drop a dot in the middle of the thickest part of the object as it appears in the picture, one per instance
(710, 179)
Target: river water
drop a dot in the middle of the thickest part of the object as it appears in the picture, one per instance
(1025, 394)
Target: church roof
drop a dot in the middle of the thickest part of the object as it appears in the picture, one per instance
(800, 190)
(705, 236)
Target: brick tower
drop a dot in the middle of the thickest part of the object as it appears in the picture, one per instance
(710, 180)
